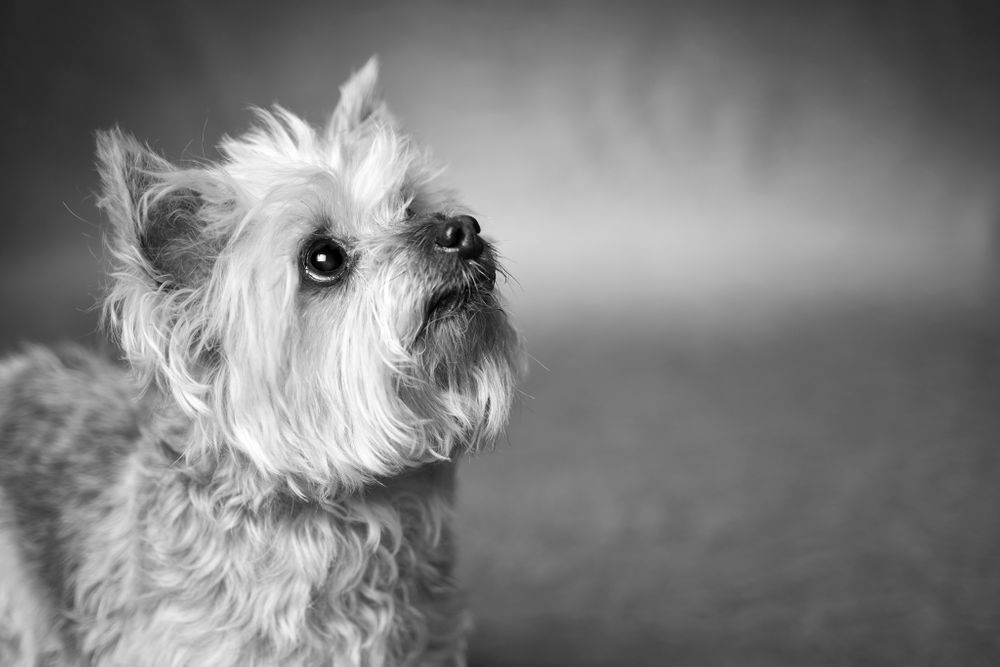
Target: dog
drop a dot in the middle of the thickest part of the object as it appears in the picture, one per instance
(313, 334)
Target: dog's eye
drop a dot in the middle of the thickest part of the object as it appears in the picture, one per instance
(323, 261)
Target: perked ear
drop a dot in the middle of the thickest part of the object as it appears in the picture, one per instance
(359, 100)
(156, 211)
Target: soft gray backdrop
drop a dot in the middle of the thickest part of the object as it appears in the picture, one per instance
(756, 257)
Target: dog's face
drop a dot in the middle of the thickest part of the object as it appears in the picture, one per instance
(312, 301)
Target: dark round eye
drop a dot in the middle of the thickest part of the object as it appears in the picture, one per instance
(323, 260)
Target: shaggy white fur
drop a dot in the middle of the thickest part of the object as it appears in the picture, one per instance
(282, 492)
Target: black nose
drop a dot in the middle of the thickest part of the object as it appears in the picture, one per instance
(460, 234)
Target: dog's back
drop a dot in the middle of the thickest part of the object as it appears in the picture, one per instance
(67, 421)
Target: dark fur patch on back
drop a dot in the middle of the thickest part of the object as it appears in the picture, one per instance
(64, 429)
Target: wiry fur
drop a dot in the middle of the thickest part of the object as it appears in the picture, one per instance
(282, 492)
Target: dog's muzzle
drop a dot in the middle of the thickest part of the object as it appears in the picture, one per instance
(463, 265)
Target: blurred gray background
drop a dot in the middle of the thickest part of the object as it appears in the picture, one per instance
(756, 249)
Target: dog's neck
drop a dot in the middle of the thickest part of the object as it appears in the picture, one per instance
(231, 480)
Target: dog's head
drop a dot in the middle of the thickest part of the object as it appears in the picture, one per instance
(312, 301)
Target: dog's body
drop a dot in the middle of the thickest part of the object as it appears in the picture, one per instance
(158, 566)
(316, 333)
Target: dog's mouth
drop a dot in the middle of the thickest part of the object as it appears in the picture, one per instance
(445, 303)
(458, 300)
(448, 304)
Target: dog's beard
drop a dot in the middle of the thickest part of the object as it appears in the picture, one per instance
(467, 354)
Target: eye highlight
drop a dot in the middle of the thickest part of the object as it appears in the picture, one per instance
(323, 261)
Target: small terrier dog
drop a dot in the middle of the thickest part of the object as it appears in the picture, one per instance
(314, 335)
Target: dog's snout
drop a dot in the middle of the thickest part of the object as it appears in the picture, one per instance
(460, 234)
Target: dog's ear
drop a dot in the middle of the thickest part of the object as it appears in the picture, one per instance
(359, 100)
(156, 210)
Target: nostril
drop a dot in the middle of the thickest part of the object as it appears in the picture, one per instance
(462, 234)
(449, 234)
(469, 222)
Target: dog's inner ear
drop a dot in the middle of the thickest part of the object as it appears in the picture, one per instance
(174, 239)
(159, 211)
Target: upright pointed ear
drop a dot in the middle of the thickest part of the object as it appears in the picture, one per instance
(156, 212)
(359, 100)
